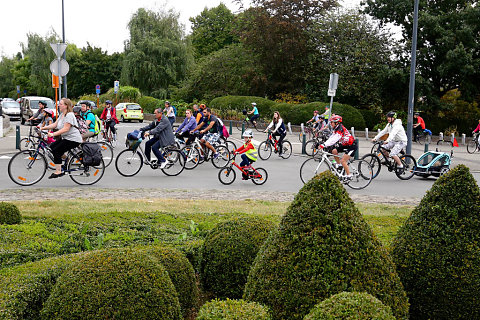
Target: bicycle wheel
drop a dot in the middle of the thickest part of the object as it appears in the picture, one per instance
(107, 152)
(374, 162)
(26, 144)
(27, 167)
(422, 138)
(375, 147)
(245, 123)
(175, 163)
(260, 125)
(311, 167)
(223, 157)
(409, 166)
(311, 147)
(259, 176)
(111, 139)
(84, 175)
(227, 175)
(230, 145)
(362, 174)
(286, 149)
(128, 162)
(264, 150)
(192, 157)
(472, 146)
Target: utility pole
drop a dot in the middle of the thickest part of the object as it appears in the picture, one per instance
(65, 52)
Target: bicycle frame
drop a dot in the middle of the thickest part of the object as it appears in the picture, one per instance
(271, 140)
(242, 169)
(324, 158)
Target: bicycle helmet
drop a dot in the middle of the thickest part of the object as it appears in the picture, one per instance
(336, 118)
(416, 114)
(254, 104)
(43, 103)
(77, 109)
(167, 102)
(50, 112)
(248, 133)
(316, 111)
(392, 114)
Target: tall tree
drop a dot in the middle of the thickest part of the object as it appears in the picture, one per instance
(7, 83)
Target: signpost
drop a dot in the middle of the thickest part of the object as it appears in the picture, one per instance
(18, 92)
(97, 90)
(332, 88)
(59, 66)
(116, 87)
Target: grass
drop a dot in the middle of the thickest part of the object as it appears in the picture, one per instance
(51, 228)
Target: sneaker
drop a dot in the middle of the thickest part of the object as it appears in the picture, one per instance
(154, 164)
(163, 164)
(55, 175)
(348, 177)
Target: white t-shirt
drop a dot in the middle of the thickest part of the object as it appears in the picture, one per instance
(73, 134)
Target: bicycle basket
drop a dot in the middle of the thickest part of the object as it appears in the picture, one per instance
(133, 144)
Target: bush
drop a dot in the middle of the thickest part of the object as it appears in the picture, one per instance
(239, 103)
(233, 310)
(149, 104)
(182, 275)
(323, 246)
(228, 253)
(437, 250)
(9, 213)
(350, 306)
(192, 251)
(113, 284)
(371, 118)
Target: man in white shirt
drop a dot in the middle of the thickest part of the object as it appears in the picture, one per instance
(397, 138)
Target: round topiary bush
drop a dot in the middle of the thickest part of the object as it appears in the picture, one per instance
(114, 284)
(350, 306)
(9, 213)
(323, 246)
(228, 253)
(233, 310)
(437, 250)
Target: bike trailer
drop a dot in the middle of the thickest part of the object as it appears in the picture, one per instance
(433, 163)
(133, 139)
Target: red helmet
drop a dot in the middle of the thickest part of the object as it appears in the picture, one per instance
(316, 111)
(336, 118)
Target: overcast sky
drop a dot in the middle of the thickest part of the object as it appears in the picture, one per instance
(102, 23)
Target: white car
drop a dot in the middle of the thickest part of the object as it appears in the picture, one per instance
(11, 108)
(29, 106)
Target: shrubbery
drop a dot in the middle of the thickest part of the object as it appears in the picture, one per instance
(437, 250)
(239, 103)
(228, 253)
(149, 104)
(9, 213)
(114, 284)
(233, 310)
(350, 306)
(192, 251)
(323, 246)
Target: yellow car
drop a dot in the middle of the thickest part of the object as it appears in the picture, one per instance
(128, 111)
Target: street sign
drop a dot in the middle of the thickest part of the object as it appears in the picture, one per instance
(331, 92)
(97, 89)
(116, 86)
(59, 65)
(55, 83)
(333, 83)
(58, 48)
(18, 89)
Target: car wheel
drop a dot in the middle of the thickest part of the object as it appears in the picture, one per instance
(140, 121)
(22, 120)
(122, 119)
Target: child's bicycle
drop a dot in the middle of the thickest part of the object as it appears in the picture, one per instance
(265, 148)
(227, 174)
(259, 124)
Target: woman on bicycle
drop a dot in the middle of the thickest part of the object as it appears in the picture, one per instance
(70, 136)
(316, 120)
(279, 131)
(170, 112)
(477, 130)
(110, 117)
(248, 151)
(255, 113)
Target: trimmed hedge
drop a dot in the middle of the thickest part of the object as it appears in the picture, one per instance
(9, 213)
(371, 118)
(323, 246)
(233, 310)
(350, 306)
(149, 104)
(239, 103)
(228, 252)
(437, 250)
(114, 284)
(192, 250)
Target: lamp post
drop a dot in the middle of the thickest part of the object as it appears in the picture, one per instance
(65, 52)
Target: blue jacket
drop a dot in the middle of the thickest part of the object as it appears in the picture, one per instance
(187, 125)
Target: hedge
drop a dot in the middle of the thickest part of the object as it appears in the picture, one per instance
(239, 103)
(114, 284)
(9, 213)
(228, 253)
(437, 250)
(149, 104)
(233, 310)
(350, 306)
(192, 250)
(322, 246)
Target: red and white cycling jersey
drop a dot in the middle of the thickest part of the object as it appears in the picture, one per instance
(340, 135)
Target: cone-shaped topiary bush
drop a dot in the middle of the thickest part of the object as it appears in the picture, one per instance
(233, 310)
(323, 246)
(437, 250)
(351, 306)
(114, 284)
(228, 253)
(9, 213)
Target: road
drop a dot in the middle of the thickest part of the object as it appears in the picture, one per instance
(283, 175)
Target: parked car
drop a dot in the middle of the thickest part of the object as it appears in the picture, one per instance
(11, 108)
(128, 111)
(29, 106)
(93, 105)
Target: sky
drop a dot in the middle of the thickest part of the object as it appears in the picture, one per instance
(102, 23)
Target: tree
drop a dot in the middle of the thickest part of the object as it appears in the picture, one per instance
(7, 85)
(212, 30)
(156, 56)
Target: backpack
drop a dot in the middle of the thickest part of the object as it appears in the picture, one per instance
(174, 110)
(222, 129)
(82, 125)
(92, 154)
(98, 125)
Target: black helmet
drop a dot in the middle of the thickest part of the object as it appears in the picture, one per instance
(77, 109)
(392, 114)
(43, 103)
(416, 114)
(108, 102)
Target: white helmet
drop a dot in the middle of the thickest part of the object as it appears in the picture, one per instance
(254, 104)
(248, 133)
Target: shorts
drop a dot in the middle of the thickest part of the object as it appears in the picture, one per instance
(212, 137)
(395, 147)
(350, 150)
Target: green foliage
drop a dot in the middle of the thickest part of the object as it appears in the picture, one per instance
(228, 253)
(9, 213)
(6, 77)
(322, 247)
(239, 103)
(192, 250)
(350, 306)
(149, 104)
(123, 284)
(371, 118)
(233, 310)
(437, 251)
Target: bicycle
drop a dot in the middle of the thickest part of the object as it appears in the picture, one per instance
(29, 142)
(312, 146)
(107, 134)
(473, 145)
(422, 136)
(194, 154)
(227, 174)
(378, 158)
(259, 126)
(265, 148)
(130, 161)
(309, 132)
(360, 170)
(28, 167)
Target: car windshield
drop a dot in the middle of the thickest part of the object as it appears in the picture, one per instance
(10, 104)
(133, 107)
(34, 104)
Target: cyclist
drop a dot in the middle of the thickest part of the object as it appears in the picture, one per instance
(477, 130)
(47, 118)
(209, 124)
(38, 116)
(325, 115)
(255, 113)
(397, 138)
(162, 133)
(66, 124)
(187, 125)
(316, 119)
(279, 131)
(110, 117)
(198, 113)
(340, 141)
(419, 126)
(89, 118)
(248, 151)
(170, 112)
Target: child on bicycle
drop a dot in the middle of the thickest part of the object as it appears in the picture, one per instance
(477, 130)
(248, 151)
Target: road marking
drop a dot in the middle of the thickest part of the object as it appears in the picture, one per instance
(5, 158)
